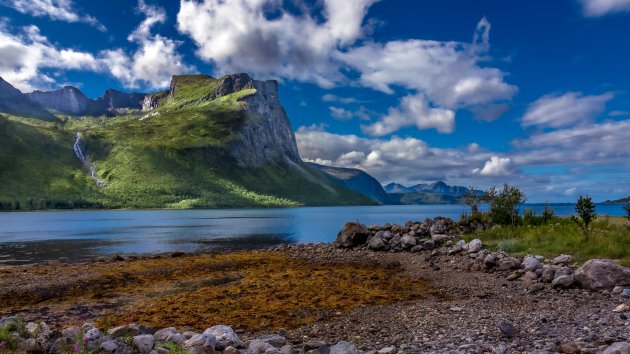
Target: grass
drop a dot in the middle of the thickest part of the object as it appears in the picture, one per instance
(178, 158)
(610, 238)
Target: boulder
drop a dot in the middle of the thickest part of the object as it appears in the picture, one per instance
(125, 331)
(508, 263)
(531, 264)
(475, 246)
(163, 334)
(225, 336)
(408, 241)
(428, 245)
(490, 261)
(377, 243)
(144, 343)
(563, 281)
(441, 226)
(548, 275)
(440, 238)
(109, 346)
(618, 348)
(562, 259)
(275, 340)
(352, 234)
(507, 328)
(257, 346)
(598, 274)
(344, 348)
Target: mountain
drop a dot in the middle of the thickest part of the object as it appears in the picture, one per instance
(356, 180)
(14, 102)
(203, 143)
(397, 188)
(618, 201)
(71, 101)
(427, 193)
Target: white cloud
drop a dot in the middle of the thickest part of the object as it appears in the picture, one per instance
(239, 35)
(414, 110)
(340, 113)
(596, 8)
(334, 98)
(448, 73)
(27, 57)
(59, 10)
(565, 110)
(496, 166)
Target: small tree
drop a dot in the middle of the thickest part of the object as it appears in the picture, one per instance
(626, 207)
(504, 204)
(473, 199)
(547, 214)
(585, 214)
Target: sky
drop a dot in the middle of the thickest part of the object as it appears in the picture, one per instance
(475, 93)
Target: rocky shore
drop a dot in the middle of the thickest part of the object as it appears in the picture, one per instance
(481, 301)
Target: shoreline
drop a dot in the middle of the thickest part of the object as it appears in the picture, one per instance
(462, 302)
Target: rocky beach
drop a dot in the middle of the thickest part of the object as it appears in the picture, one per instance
(412, 288)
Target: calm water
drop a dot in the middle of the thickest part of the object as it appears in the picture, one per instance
(27, 237)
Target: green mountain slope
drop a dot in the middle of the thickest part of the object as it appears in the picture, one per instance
(181, 154)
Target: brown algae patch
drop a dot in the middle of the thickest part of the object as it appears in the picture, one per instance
(248, 290)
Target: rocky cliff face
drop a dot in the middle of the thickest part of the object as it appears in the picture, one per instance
(68, 100)
(267, 134)
(13, 101)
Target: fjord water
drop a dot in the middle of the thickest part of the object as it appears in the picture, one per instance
(29, 237)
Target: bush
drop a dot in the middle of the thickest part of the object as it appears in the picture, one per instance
(585, 214)
(504, 204)
(472, 199)
(547, 214)
(626, 207)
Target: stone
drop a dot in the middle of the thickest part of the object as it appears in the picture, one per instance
(507, 264)
(618, 348)
(257, 346)
(164, 333)
(224, 335)
(287, 349)
(490, 261)
(622, 308)
(352, 234)
(92, 335)
(440, 226)
(344, 348)
(124, 331)
(569, 348)
(416, 249)
(507, 328)
(313, 344)
(563, 281)
(387, 350)
(600, 274)
(272, 351)
(275, 340)
(475, 246)
(72, 332)
(428, 245)
(548, 275)
(625, 293)
(440, 238)
(377, 243)
(408, 241)
(513, 276)
(144, 343)
(230, 350)
(562, 259)
(201, 342)
(531, 263)
(617, 289)
(109, 346)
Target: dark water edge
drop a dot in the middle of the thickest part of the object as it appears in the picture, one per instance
(82, 235)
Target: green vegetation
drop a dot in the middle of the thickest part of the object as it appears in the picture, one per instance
(626, 208)
(585, 210)
(173, 348)
(609, 238)
(175, 157)
(504, 204)
(472, 199)
(8, 336)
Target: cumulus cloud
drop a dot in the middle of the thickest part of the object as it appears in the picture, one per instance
(59, 10)
(596, 8)
(496, 166)
(362, 113)
(334, 98)
(240, 35)
(27, 57)
(414, 110)
(572, 108)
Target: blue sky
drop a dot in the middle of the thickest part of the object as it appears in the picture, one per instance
(534, 93)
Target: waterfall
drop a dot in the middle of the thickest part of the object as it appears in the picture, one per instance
(80, 154)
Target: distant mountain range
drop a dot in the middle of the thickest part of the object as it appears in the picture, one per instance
(427, 193)
(618, 201)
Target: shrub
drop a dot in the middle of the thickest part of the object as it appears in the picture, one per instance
(472, 199)
(510, 246)
(626, 207)
(504, 204)
(547, 214)
(585, 214)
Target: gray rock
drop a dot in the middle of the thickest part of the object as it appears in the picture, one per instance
(224, 335)
(548, 275)
(144, 343)
(625, 293)
(257, 346)
(562, 259)
(287, 349)
(416, 249)
(164, 333)
(344, 348)
(275, 340)
(124, 331)
(428, 245)
(109, 346)
(563, 281)
(352, 234)
(313, 344)
(272, 351)
(618, 348)
(72, 332)
(563, 271)
(201, 342)
(408, 241)
(440, 238)
(507, 328)
(598, 274)
(92, 335)
(230, 350)
(440, 226)
(531, 263)
(387, 350)
(475, 246)
(617, 289)
(376, 243)
(508, 263)
(490, 261)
